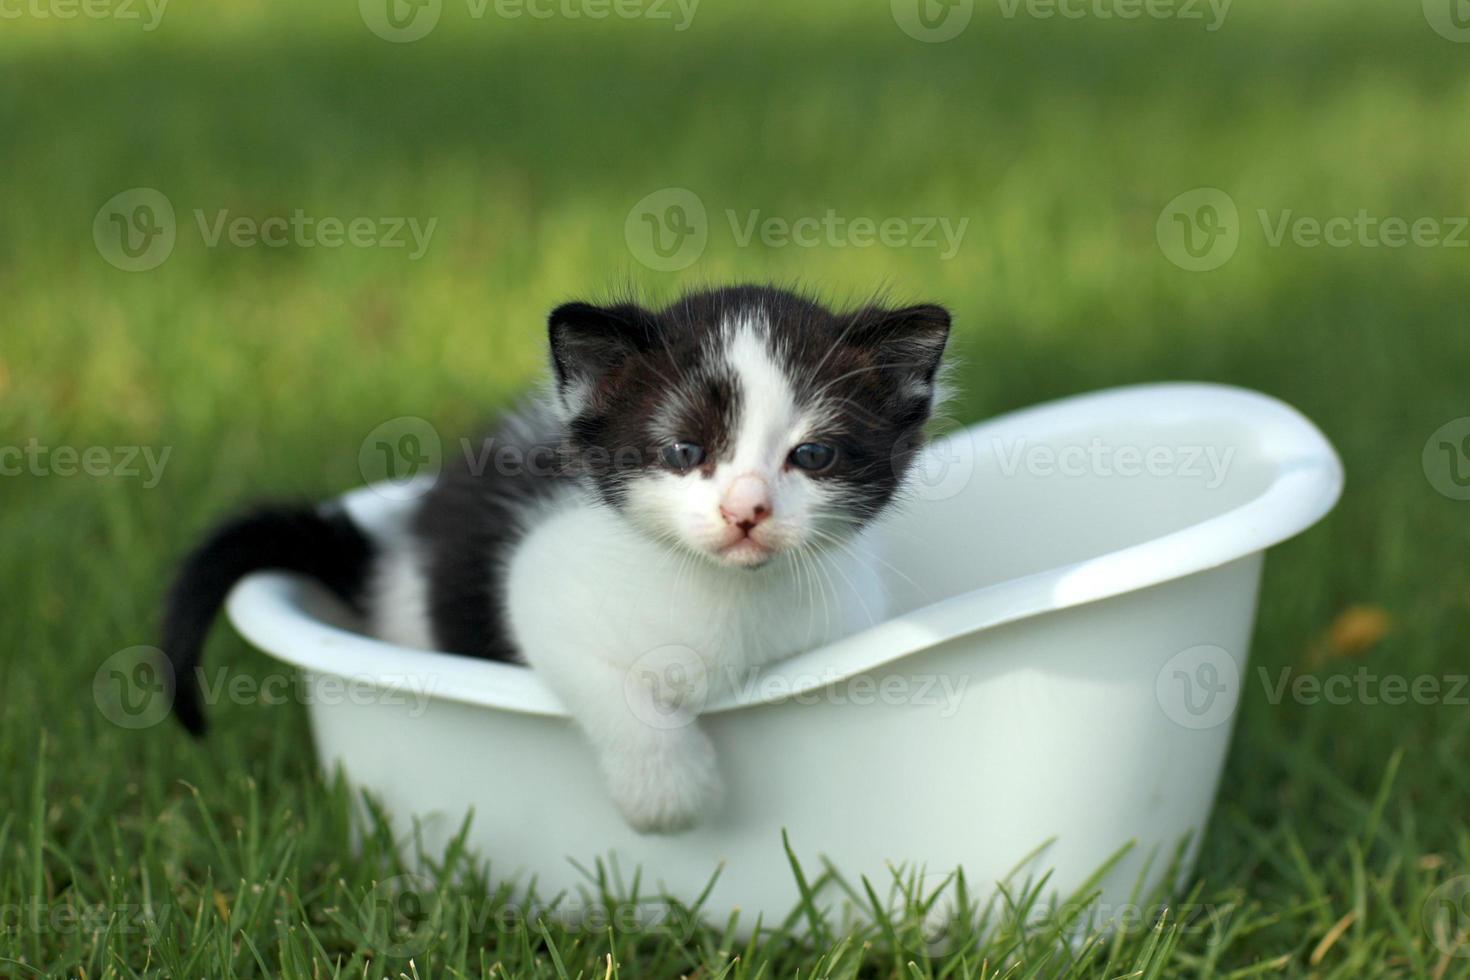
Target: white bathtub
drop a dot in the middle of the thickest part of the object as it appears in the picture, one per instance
(1067, 648)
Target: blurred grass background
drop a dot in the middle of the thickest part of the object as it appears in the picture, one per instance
(529, 141)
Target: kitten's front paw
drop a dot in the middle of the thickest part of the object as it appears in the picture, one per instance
(665, 784)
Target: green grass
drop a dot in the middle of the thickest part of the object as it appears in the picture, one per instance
(128, 853)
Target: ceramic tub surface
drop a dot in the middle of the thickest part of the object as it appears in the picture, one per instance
(1073, 591)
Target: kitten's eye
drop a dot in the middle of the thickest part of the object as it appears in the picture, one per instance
(813, 456)
(683, 456)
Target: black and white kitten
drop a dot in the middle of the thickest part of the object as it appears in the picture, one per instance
(696, 489)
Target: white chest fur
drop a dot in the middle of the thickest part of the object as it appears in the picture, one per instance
(585, 584)
(597, 609)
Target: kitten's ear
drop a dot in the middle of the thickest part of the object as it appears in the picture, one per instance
(909, 340)
(588, 342)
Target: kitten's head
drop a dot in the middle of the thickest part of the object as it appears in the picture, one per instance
(746, 422)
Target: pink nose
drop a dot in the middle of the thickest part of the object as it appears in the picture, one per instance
(746, 503)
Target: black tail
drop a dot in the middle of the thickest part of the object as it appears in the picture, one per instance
(324, 545)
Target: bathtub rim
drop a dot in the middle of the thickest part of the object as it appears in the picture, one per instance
(270, 608)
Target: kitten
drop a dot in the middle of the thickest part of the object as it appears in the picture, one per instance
(694, 496)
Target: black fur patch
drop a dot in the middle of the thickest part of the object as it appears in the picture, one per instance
(875, 366)
(294, 538)
(470, 522)
(878, 368)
